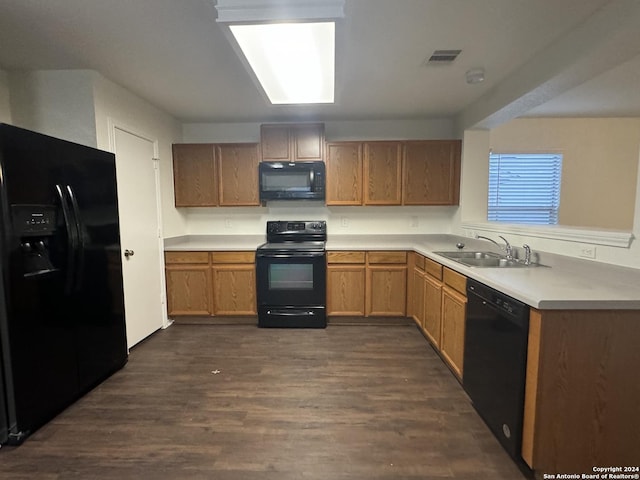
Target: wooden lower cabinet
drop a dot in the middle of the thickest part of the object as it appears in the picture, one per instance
(453, 322)
(345, 290)
(346, 274)
(386, 291)
(454, 313)
(432, 323)
(439, 306)
(234, 291)
(234, 283)
(581, 398)
(366, 283)
(418, 290)
(426, 297)
(188, 283)
(386, 286)
(210, 283)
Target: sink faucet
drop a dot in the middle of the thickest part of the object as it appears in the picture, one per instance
(507, 246)
(527, 254)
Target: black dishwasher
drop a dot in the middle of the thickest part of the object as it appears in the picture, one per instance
(495, 356)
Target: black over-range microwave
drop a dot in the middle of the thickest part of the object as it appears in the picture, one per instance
(292, 181)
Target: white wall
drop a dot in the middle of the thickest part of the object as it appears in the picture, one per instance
(340, 220)
(400, 129)
(77, 105)
(5, 100)
(599, 165)
(55, 102)
(119, 106)
(473, 200)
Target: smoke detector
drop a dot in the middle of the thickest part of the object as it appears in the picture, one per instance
(475, 75)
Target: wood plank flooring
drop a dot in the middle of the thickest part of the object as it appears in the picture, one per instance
(231, 402)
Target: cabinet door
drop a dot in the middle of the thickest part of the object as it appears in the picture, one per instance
(431, 173)
(418, 304)
(345, 290)
(234, 289)
(292, 142)
(344, 173)
(238, 172)
(386, 290)
(308, 142)
(194, 175)
(382, 173)
(454, 307)
(433, 309)
(275, 143)
(188, 290)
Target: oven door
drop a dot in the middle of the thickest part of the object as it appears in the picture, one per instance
(291, 279)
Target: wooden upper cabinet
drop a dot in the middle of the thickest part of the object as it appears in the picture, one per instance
(238, 173)
(382, 173)
(344, 173)
(431, 172)
(194, 175)
(302, 142)
(275, 142)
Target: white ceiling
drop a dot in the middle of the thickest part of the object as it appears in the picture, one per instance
(542, 57)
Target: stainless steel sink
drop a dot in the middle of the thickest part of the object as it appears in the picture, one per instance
(485, 260)
(457, 255)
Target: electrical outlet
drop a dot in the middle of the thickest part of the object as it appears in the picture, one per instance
(413, 222)
(587, 251)
(228, 223)
(344, 222)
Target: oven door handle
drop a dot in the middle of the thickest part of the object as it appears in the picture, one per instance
(291, 313)
(291, 255)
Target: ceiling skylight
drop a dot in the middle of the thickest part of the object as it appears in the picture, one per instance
(294, 62)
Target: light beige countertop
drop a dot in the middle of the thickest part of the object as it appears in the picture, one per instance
(563, 283)
(212, 243)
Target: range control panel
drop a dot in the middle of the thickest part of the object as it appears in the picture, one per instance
(296, 231)
(281, 227)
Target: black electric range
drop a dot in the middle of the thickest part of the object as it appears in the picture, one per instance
(291, 275)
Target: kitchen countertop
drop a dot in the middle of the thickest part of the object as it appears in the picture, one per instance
(202, 243)
(563, 283)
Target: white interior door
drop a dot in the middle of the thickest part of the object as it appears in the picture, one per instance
(139, 233)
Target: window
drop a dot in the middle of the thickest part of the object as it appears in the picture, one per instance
(524, 188)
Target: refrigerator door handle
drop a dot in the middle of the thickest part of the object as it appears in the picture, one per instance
(72, 241)
(80, 238)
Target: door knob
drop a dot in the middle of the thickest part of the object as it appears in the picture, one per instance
(128, 253)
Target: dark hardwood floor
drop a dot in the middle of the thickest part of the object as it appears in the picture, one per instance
(237, 402)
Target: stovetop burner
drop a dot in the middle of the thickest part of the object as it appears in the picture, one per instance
(293, 246)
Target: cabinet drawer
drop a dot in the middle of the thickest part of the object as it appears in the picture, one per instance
(433, 268)
(186, 257)
(455, 280)
(233, 257)
(345, 257)
(419, 261)
(387, 257)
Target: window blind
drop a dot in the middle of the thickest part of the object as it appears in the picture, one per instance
(524, 188)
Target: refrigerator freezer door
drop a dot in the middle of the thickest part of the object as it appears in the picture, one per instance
(65, 328)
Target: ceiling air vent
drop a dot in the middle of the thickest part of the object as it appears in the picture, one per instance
(442, 57)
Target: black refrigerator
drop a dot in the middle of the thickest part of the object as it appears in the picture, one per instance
(62, 325)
